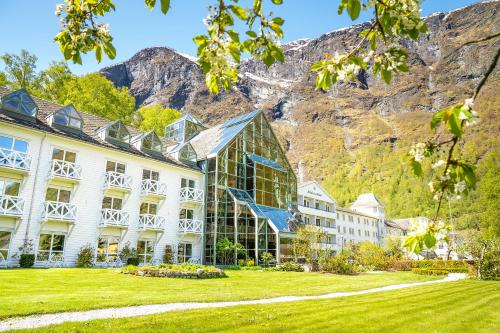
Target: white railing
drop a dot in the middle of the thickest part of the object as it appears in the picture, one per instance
(65, 169)
(150, 221)
(11, 205)
(149, 186)
(190, 226)
(53, 210)
(113, 217)
(191, 194)
(116, 179)
(14, 159)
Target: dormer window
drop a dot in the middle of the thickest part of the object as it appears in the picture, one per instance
(187, 153)
(151, 142)
(184, 129)
(20, 102)
(118, 132)
(68, 116)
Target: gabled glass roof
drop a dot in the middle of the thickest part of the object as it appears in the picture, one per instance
(227, 134)
(68, 116)
(118, 131)
(151, 141)
(243, 118)
(21, 102)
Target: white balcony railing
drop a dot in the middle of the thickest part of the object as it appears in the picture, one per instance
(63, 169)
(189, 194)
(114, 218)
(14, 159)
(153, 187)
(117, 180)
(152, 222)
(11, 205)
(61, 211)
(190, 226)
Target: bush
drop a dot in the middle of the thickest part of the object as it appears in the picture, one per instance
(251, 268)
(407, 265)
(168, 257)
(86, 256)
(27, 260)
(438, 271)
(185, 271)
(232, 268)
(241, 262)
(370, 256)
(338, 264)
(133, 261)
(250, 263)
(127, 252)
(290, 266)
(490, 269)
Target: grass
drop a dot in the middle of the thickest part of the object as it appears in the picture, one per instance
(32, 291)
(464, 306)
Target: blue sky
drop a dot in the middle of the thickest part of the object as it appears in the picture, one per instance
(31, 24)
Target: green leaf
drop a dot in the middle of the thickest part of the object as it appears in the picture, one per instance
(438, 118)
(412, 244)
(469, 175)
(238, 11)
(454, 123)
(318, 65)
(323, 80)
(150, 3)
(386, 75)
(277, 53)
(429, 240)
(200, 40)
(417, 168)
(278, 20)
(234, 35)
(165, 6)
(110, 50)
(353, 8)
(277, 2)
(251, 33)
(98, 53)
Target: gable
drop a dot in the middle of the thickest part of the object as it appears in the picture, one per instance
(315, 191)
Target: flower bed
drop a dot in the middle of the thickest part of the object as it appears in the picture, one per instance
(183, 271)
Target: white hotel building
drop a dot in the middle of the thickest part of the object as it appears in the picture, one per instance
(363, 222)
(68, 179)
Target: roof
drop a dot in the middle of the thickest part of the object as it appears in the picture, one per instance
(88, 134)
(313, 182)
(212, 140)
(279, 218)
(350, 211)
(188, 117)
(394, 225)
(265, 161)
(367, 199)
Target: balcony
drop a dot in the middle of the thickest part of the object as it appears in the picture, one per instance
(191, 195)
(65, 170)
(152, 222)
(59, 211)
(114, 218)
(13, 160)
(190, 226)
(117, 181)
(153, 188)
(11, 206)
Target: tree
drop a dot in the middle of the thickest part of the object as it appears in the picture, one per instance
(20, 71)
(306, 243)
(53, 81)
(95, 94)
(3, 79)
(154, 117)
(227, 251)
(485, 248)
(370, 256)
(393, 247)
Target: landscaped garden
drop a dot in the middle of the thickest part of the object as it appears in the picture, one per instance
(464, 306)
(30, 291)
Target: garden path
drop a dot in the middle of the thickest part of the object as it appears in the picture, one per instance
(34, 321)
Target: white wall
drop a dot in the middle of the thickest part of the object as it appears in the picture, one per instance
(88, 194)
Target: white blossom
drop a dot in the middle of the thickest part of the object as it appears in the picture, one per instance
(103, 29)
(460, 187)
(58, 11)
(438, 164)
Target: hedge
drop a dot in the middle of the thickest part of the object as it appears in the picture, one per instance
(438, 271)
(184, 271)
(408, 265)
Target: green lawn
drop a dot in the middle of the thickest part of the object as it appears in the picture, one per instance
(24, 292)
(464, 306)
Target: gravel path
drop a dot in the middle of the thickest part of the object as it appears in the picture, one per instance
(35, 321)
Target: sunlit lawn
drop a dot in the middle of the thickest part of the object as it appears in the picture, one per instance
(465, 306)
(32, 291)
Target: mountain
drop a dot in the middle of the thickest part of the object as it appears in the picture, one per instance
(351, 138)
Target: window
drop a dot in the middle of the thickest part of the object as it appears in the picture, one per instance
(187, 183)
(50, 246)
(359, 221)
(150, 141)
(152, 175)
(306, 203)
(112, 203)
(148, 208)
(306, 219)
(316, 205)
(184, 252)
(186, 214)
(115, 167)
(9, 143)
(344, 230)
(327, 208)
(5, 237)
(118, 131)
(187, 153)
(20, 102)
(174, 131)
(145, 250)
(359, 232)
(69, 117)
(63, 155)
(338, 229)
(9, 187)
(58, 195)
(107, 249)
(318, 222)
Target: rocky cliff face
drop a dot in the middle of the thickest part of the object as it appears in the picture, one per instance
(321, 129)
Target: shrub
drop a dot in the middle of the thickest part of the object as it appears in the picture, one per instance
(251, 268)
(490, 269)
(185, 270)
(134, 261)
(168, 257)
(127, 252)
(27, 260)
(250, 263)
(241, 262)
(338, 264)
(407, 265)
(232, 268)
(370, 256)
(438, 271)
(290, 266)
(266, 258)
(86, 256)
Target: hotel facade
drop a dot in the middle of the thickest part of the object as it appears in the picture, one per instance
(69, 179)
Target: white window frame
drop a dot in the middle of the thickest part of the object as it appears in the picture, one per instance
(18, 138)
(116, 162)
(107, 253)
(51, 251)
(185, 257)
(7, 249)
